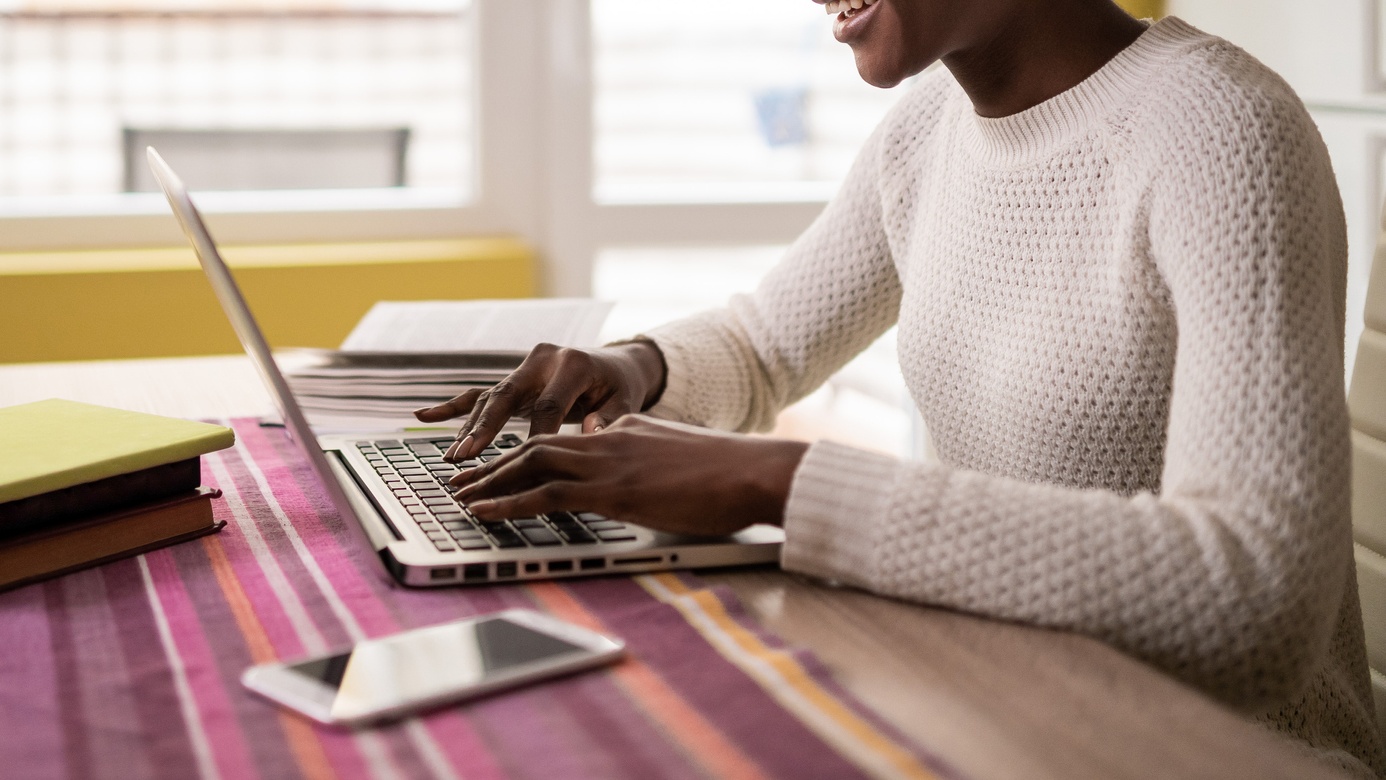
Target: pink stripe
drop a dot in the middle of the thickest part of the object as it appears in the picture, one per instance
(453, 734)
(210, 696)
(33, 744)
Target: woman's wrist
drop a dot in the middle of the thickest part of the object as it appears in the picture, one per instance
(647, 367)
(769, 475)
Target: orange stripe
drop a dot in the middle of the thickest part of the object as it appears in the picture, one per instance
(795, 676)
(702, 741)
(302, 739)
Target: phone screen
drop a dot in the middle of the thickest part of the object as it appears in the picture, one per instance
(378, 675)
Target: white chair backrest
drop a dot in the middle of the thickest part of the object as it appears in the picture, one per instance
(1367, 399)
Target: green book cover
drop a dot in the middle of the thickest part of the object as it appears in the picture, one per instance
(54, 444)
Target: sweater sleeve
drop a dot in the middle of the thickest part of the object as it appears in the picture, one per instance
(834, 292)
(1231, 574)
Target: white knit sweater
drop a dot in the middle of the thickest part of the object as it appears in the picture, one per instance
(1121, 316)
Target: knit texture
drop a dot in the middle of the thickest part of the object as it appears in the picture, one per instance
(1121, 316)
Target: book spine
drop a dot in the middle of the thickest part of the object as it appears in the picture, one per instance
(103, 495)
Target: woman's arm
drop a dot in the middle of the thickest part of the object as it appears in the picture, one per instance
(835, 291)
(1232, 575)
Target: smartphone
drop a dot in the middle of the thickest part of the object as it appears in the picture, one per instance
(395, 676)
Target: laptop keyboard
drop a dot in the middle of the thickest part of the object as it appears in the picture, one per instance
(416, 473)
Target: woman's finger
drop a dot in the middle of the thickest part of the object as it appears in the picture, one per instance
(452, 408)
(556, 401)
(615, 408)
(523, 468)
(549, 497)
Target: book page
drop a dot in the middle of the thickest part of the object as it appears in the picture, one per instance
(479, 325)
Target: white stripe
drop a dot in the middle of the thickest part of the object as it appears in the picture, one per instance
(774, 683)
(202, 747)
(429, 751)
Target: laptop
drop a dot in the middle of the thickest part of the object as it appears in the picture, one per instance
(391, 489)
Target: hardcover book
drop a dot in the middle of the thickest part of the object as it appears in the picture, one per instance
(49, 552)
(55, 444)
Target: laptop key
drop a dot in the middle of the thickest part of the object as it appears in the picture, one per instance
(444, 545)
(505, 537)
(606, 525)
(577, 535)
(616, 536)
(540, 537)
(447, 515)
(478, 543)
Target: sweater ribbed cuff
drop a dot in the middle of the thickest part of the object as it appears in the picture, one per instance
(836, 503)
(676, 401)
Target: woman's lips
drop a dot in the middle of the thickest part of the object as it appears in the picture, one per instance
(852, 17)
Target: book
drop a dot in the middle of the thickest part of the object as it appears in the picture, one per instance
(55, 444)
(53, 551)
(103, 495)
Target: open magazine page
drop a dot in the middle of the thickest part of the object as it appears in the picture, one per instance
(446, 326)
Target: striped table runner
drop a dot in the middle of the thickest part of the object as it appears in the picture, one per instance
(131, 669)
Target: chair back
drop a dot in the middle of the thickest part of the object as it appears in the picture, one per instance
(1367, 400)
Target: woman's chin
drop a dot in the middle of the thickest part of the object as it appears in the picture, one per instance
(877, 73)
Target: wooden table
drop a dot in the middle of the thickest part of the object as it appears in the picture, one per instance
(997, 700)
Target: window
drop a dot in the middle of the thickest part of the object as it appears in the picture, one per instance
(213, 80)
(687, 101)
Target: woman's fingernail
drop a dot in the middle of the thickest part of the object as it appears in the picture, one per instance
(483, 507)
(465, 445)
(597, 428)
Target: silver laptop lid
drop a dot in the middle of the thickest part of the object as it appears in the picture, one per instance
(248, 331)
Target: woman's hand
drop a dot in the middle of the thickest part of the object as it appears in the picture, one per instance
(555, 385)
(662, 475)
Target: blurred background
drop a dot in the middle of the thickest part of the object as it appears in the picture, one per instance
(658, 154)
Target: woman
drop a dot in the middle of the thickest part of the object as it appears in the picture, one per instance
(1116, 255)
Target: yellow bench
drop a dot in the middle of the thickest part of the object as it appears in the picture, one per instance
(156, 302)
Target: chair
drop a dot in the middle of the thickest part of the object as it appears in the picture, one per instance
(1367, 400)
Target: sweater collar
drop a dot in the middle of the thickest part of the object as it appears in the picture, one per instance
(1035, 132)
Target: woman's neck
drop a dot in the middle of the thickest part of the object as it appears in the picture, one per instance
(1039, 51)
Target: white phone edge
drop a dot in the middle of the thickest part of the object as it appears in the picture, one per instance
(275, 682)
